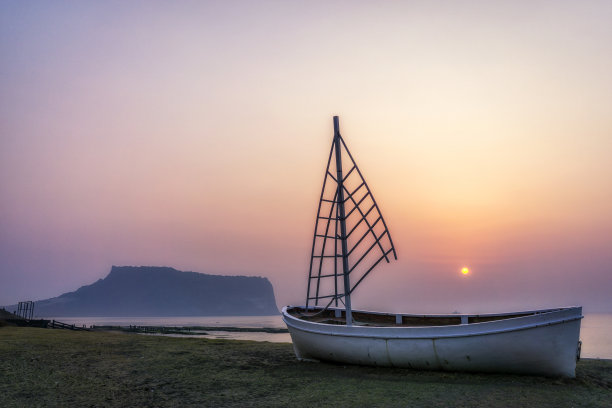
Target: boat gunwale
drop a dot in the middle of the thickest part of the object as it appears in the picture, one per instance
(425, 315)
(348, 331)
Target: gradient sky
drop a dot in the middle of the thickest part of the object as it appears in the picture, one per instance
(195, 135)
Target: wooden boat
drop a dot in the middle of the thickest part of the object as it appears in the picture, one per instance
(542, 342)
(349, 242)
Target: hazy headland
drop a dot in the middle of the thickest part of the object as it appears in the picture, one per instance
(163, 291)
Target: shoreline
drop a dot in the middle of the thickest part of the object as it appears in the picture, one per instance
(187, 330)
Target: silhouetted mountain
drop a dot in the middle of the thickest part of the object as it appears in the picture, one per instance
(161, 291)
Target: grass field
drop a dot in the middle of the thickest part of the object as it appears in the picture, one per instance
(46, 368)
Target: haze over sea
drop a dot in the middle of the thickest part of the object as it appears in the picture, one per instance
(595, 331)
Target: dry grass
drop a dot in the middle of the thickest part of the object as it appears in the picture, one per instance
(46, 368)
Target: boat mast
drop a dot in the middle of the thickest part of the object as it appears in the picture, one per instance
(342, 219)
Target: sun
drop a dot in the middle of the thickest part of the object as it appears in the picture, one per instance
(465, 270)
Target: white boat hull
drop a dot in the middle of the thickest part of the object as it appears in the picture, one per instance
(541, 343)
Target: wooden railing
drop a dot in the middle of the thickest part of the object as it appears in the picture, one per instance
(54, 324)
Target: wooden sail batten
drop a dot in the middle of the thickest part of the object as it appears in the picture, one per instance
(327, 236)
(349, 173)
(358, 203)
(332, 176)
(327, 276)
(328, 296)
(370, 270)
(364, 237)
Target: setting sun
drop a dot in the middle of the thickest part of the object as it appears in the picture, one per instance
(465, 270)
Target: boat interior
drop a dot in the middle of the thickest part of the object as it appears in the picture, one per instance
(361, 318)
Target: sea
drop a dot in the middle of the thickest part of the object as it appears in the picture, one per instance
(595, 329)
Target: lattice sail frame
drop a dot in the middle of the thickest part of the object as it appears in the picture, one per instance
(357, 239)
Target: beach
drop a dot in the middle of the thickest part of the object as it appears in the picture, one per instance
(43, 367)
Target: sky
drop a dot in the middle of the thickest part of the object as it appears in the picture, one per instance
(195, 135)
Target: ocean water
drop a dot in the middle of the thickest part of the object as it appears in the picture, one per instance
(274, 321)
(596, 335)
(595, 329)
